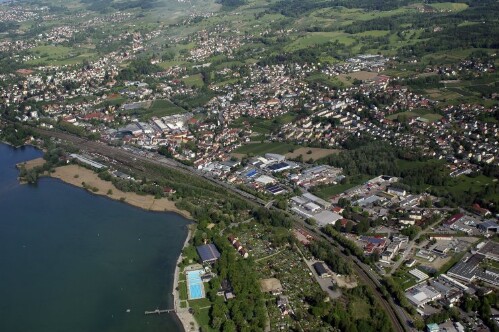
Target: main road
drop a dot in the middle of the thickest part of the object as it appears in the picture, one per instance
(129, 157)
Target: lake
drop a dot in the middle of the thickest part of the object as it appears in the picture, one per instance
(73, 261)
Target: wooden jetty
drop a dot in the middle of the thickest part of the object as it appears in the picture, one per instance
(158, 311)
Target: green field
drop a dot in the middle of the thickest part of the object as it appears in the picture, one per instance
(431, 117)
(450, 6)
(262, 148)
(59, 55)
(318, 38)
(465, 183)
(193, 80)
(328, 191)
(262, 126)
(360, 308)
(158, 108)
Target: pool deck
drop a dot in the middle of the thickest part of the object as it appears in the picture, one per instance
(183, 314)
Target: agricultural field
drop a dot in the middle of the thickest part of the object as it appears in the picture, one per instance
(311, 153)
(59, 55)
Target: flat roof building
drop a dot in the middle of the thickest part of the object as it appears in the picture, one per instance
(321, 270)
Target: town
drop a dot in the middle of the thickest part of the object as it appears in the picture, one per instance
(351, 154)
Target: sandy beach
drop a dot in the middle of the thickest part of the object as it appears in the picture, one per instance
(77, 175)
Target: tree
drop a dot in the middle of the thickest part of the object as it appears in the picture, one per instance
(229, 326)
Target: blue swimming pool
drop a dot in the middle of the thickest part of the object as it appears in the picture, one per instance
(195, 285)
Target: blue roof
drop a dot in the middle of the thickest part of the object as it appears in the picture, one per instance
(274, 188)
(371, 239)
(278, 166)
(251, 173)
(208, 252)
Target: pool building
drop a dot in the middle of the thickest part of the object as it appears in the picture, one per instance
(208, 253)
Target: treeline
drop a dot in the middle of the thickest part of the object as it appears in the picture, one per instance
(140, 187)
(76, 130)
(52, 159)
(272, 218)
(15, 134)
(6, 26)
(377, 158)
(231, 3)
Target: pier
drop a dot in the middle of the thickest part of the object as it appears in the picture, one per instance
(158, 311)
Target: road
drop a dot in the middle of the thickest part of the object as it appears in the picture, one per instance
(396, 314)
(411, 245)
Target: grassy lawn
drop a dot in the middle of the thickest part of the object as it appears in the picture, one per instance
(262, 148)
(203, 318)
(193, 80)
(332, 82)
(405, 280)
(464, 183)
(360, 308)
(183, 290)
(200, 303)
(431, 117)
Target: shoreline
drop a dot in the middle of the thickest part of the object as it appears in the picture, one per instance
(84, 178)
(183, 314)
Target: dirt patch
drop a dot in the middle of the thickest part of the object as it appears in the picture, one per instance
(77, 175)
(270, 285)
(28, 165)
(344, 281)
(239, 156)
(316, 153)
(359, 75)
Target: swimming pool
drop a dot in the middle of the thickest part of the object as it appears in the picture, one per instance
(195, 285)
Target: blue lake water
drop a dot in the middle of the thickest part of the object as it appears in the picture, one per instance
(73, 261)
